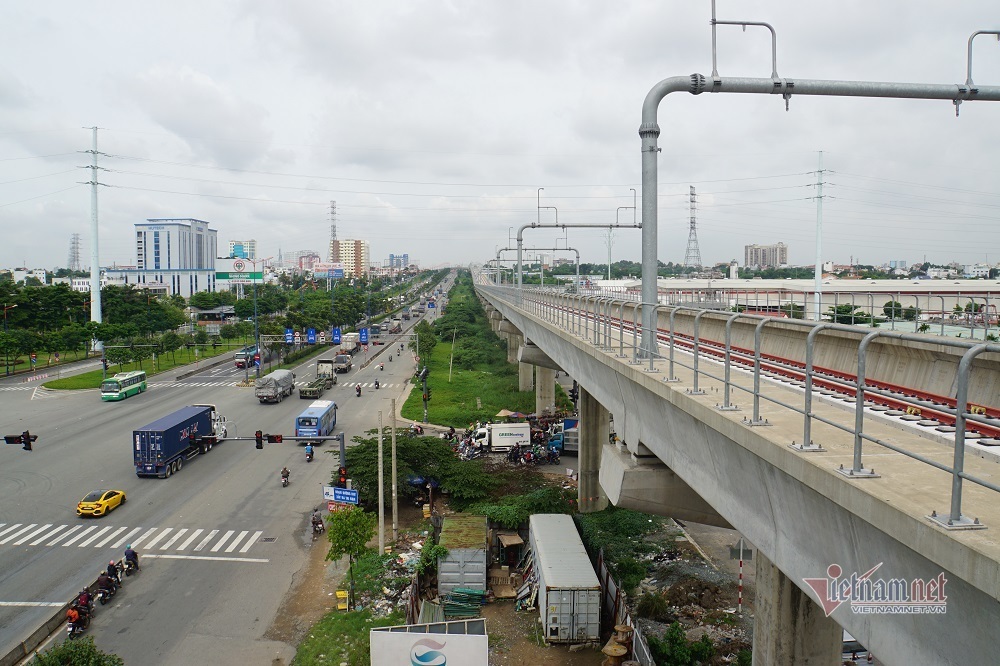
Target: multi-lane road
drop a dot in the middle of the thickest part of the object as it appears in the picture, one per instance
(219, 542)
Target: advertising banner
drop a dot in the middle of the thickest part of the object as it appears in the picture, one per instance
(430, 649)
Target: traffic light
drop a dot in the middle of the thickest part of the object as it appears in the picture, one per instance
(259, 436)
(26, 439)
(273, 439)
(342, 477)
(427, 396)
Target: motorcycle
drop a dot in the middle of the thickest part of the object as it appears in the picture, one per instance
(318, 528)
(357, 389)
(104, 596)
(553, 456)
(376, 384)
(131, 567)
(381, 367)
(284, 481)
(74, 629)
(309, 456)
(390, 358)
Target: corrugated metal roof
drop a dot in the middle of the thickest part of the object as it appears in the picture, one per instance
(559, 553)
(462, 531)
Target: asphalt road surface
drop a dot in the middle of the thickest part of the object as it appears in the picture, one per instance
(219, 542)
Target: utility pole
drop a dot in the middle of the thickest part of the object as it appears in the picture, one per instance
(381, 490)
(395, 496)
(818, 272)
(95, 262)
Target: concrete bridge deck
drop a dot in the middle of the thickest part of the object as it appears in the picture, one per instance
(802, 514)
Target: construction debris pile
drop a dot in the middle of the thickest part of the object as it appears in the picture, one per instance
(463, 602)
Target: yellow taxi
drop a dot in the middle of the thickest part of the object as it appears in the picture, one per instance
(100, 502)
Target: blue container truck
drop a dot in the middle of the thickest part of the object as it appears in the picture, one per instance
(160, 448)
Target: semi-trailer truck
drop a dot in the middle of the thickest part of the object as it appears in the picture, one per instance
(160, 448)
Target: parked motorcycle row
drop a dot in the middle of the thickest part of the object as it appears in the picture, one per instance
(533, 455)
(83, 609)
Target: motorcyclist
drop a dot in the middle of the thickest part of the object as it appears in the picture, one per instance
(285, 473)
(317, 520)
(113, 572)
(376, 383)
(85, 600)
(381, 366)
(105, 583)
(73, 617)
(309, 450)
(131, 556)
(390, 357)
(357, 389)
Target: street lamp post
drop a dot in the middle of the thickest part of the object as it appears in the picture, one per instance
(6, 360)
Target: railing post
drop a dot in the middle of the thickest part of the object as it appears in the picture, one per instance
(654, 349)
(807, 445)
(670, 365)
(635, 333)
(857, 470)
(726, 388)
(755, 420)
(697, 322)
(955, 520)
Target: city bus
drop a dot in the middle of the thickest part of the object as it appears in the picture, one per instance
(318, 420)
(123, 385)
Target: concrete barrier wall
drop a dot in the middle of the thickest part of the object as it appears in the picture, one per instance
(55, 623)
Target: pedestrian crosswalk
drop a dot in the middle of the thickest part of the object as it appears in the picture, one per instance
(223, 384)
(146, 539)
(16, 388)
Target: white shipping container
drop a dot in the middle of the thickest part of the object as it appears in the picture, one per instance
(569, 594)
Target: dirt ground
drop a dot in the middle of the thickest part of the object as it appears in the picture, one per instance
(513, 635)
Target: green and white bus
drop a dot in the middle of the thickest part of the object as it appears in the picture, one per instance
(123, 385)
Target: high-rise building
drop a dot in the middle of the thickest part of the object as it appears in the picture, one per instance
(352, 253)
(765, 256)
(173, 256)
(243, 249)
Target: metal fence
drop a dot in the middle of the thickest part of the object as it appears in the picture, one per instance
(614, 611)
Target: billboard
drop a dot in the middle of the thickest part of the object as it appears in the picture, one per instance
(328, 270)
(404, 648)
(237, 271)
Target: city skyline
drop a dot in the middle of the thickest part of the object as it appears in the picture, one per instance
(221, 134)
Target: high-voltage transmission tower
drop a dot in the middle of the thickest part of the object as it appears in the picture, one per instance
(74, 253)
(692, 257)
(334, 253)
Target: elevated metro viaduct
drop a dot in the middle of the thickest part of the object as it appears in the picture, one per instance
(685, 457)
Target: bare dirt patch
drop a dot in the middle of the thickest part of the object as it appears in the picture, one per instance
(515, 638)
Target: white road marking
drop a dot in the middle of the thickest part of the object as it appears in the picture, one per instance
(33, 604)
(52, 533)
(173, 539)
(110, 537)
(236, 541)
(81, 534)
(125, 539)
(155, 540)
(145, 534)
(252, 541)
(206, 540)
(11, 528)
(63, 535)
(19, 533)
(94, 537)
(222, 541)
(191, 538)
(33, 534)
(212, 558)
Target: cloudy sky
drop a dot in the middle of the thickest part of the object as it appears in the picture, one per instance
(432, 125)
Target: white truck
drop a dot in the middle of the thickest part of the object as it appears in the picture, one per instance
(502, 437)
(350, 343)
(275, 386)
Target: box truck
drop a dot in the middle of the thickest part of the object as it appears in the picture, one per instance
(160, 448)
(502, 437)
(569, 594)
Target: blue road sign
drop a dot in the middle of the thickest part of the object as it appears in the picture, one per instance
(336, 336)
(311, 336)
(345, 495)
(289, 336)
(363, 336)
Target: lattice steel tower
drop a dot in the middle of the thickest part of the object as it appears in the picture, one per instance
(74, 253)
(334, 245)
(692, 257)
